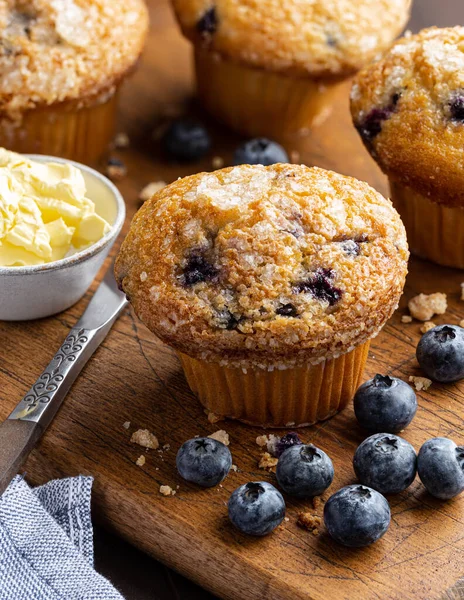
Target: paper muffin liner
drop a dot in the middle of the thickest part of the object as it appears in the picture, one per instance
(435, 232)
(72, 129)
(257, 102)
(281, 398)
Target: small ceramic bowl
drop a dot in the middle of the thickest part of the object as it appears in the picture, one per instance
(33, 292)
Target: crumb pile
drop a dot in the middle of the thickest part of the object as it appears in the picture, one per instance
(268, 267)
(321, 37)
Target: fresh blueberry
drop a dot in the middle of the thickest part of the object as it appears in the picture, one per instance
(287, 310)
(440, 353)
(385, 404)
(208, 23)
(204, 461)
(440, 465)
(260, 151)
(456, 106)
(256, 508)
(386, 463)
(356, 516)
(287, 441)
(320, 286)
(197, 269)
(186, 140)
(304, 471)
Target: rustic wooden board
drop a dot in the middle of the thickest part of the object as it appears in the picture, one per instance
(134, 377)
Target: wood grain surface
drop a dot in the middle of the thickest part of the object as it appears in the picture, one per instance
(134, 377)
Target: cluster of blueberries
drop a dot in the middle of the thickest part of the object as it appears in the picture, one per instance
(357, 515)
(186, 140)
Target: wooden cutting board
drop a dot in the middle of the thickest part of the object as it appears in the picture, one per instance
(134, 377)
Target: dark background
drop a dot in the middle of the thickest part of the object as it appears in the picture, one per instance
(135, 574)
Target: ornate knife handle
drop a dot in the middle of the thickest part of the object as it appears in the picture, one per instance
(54, 383)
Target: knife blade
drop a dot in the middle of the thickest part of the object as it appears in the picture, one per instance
(34, 413)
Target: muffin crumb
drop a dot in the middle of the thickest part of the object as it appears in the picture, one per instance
(406, 319)
(147, 192)
(261, 440)
(427, 326)
(213, 417)
(269, 441)
(217, 162)
(420, 383)
(121, 141)
(310, 522)
(167, 490)
(140, 461)
(221, 436)
(126, 424)
(267, 461)
(461, 323)
(316, 502)
(424, 306)
(144, 438)
(234, 468)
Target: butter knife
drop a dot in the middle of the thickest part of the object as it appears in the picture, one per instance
(34, 413)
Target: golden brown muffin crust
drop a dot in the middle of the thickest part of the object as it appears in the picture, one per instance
(57, 50)
(317, 37)
(264, 266)
(409, 110)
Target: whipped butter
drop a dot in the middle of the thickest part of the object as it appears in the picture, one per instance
(44, 212)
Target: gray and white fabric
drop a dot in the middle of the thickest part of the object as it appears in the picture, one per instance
(46, 543)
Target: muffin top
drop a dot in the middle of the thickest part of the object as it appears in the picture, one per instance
(267, 267)
(316, 37)
(55, 50)
(409, 111)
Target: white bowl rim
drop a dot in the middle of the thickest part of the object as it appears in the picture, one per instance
(95, 248)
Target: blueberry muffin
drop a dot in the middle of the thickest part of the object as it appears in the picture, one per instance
(269, 282)
(409, 111)
(272, 68)
(61, 64)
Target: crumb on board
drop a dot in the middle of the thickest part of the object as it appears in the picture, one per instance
(267, 461)
(221, 436)
(217, 162)
(147, 192)
(461, 323)
(406, 319)
(427, 326)
(286, 519)
(269, 441)
(115, 169)
(213, 417)
(166, 447)
(121, 140)
(310, 522)
(126, 424)
(140, 461)
(144, 438)
(166, 490)
(234, 468)
(424, 306)
(316, 502)
(462, 291)
(420, 383)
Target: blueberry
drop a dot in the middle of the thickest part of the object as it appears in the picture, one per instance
(186, 140)
(372, 123)
(440, 353)
(287, 310)
(260, 151)
(304, 471)
(385, 404)
(256, 508)
(440, 465)
(386, 463)
(208, 23)
(356, 516)
(320, 286)
(287, 441)
(204, 461)
(456, 107)
(197, 269)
